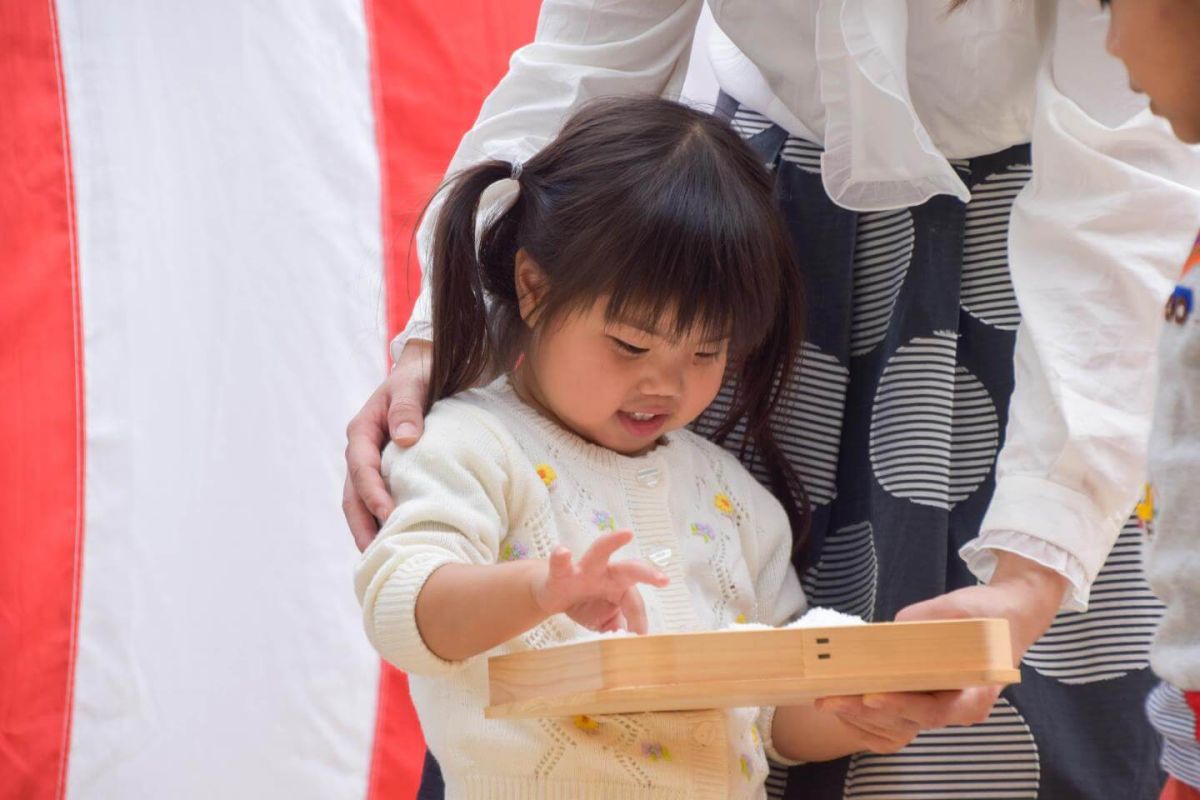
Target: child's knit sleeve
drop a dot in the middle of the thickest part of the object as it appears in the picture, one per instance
(454, 500)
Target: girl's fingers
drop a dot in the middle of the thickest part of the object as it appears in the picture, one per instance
(560, 563)
(633, 572)
(610, 621)
(602, 549)
(634, 611)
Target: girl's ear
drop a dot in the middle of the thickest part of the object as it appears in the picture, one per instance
(531, 286)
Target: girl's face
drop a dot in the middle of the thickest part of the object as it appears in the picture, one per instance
(1159, 41)
(618, 385)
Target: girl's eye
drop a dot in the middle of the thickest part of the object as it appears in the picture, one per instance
(708, 356)
(626, 347)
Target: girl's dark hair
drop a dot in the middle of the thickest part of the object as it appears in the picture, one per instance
(662, 209)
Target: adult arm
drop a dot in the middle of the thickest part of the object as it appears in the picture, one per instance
(1095, 239)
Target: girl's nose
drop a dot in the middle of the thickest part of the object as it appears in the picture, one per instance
(662, 381)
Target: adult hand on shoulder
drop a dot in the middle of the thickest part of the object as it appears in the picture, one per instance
(596, 592)
(1024, 592)
(395, 410)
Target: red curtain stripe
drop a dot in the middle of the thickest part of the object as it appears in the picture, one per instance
(433, 63)
(41, 409)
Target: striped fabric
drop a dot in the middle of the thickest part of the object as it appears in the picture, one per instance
(987, 289)
(201, 204)
(934, 432)
(1175, 718)
(996, 760)
(1112, 638)
(882, 252)
(898, 414)
(846, 575)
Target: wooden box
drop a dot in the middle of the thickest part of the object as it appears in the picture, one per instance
(736, 668)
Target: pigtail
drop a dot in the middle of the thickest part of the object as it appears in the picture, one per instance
(463, 347)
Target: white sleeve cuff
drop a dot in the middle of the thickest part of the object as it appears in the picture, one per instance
(1058, 516)
(980, 555)
(392, 620)
(766, 718)
(419, 329)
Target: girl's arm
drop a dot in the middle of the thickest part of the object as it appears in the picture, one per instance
(465, 610)
(430, 586)
(457, 492)
(809, 733)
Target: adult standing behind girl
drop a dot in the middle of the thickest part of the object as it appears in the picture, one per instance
(900, 135)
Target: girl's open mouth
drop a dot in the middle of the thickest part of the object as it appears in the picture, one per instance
(642, 423)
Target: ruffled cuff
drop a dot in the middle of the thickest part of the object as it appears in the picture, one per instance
(1059, 517)
(980, 556)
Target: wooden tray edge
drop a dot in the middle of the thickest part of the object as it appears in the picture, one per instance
(535, 709)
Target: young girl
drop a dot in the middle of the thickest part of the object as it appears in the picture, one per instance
(642, 262)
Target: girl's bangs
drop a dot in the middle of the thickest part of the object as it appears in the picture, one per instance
(683, 265)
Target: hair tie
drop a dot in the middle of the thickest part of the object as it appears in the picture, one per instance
(517, 166)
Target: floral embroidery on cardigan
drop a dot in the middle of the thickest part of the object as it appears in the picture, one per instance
(547, 474)
(513, 551)
(585, 723)
(604, 521)
(704, 531)
(655, 751)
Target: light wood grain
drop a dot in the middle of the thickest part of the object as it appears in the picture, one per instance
(675, 672)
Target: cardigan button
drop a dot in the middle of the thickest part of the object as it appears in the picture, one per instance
(648, 477)
(705, 733)
(661, 557)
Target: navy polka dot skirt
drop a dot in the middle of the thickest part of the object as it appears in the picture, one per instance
(894, 423)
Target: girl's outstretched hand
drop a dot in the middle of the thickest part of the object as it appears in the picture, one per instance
(595, 592)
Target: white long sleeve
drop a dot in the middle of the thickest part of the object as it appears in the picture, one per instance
(455, 499)
(1095, 240)
(583, 49)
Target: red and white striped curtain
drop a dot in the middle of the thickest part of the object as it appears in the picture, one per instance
(205, 212)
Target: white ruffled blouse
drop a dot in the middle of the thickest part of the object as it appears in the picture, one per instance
(893, 89)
